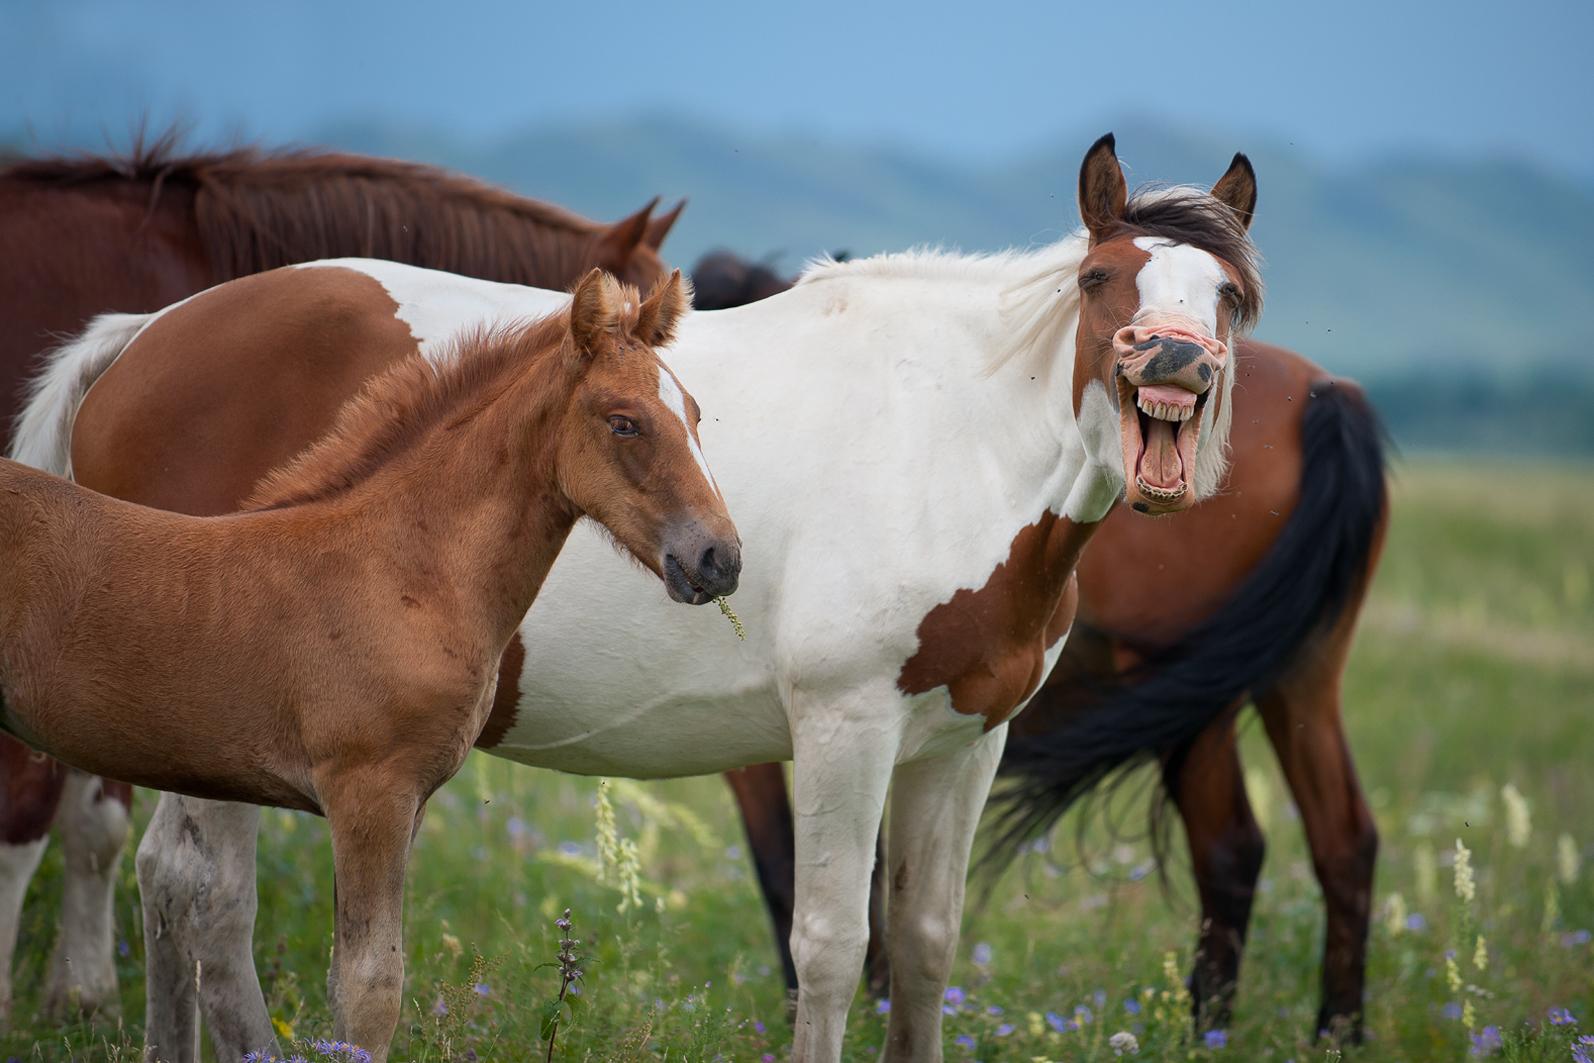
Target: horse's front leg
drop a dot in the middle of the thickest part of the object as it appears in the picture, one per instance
(843, 751)
(373, 817)
(196, 878)
(935, 808)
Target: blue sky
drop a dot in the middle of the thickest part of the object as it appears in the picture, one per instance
(1342, 80)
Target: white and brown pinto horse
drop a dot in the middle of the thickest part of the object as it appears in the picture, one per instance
(335, 647)
(950, 432)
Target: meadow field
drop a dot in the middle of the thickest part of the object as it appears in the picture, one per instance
(1470, 701)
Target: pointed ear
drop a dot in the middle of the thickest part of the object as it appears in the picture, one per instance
(660, 227)
(663, 310)
(620, 241)
(1102, 190)
(1237, 189)
(594, 315)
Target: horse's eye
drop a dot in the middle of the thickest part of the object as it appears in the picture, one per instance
(1092, 279)
(1229, 292)
(623, 426)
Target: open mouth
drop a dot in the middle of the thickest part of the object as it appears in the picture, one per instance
(680, 586)
(1161, 424)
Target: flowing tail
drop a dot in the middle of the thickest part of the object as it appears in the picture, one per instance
(1316, 566)
(43, 433)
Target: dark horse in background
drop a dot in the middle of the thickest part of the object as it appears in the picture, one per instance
(1158, 672)
(88, 235)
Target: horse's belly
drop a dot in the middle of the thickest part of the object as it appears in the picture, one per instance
(655, 736)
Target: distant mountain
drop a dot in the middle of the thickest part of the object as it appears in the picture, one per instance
(1456, 265)
(1446, 284)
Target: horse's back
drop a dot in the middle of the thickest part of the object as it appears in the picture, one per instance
(1127, 569)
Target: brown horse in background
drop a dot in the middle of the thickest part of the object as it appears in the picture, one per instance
(82, 236)
(1287, 552)
(335, 646)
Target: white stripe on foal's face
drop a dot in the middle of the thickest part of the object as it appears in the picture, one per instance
(1179, 279)
(671, 395)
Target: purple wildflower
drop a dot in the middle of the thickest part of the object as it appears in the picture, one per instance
(1083, 1015)
(1580, 1053)
(1451, 1010)
(882, 1007)
(440, 1008)
(1415, 921)
(993, 1010)
(1057, 1022)
(767, 1057)
(1216, 1039)
(123, 949)
(482, 989)
(759, 1026)
(1576, 937)
(1132, 1006)
(1004, 1029)
(965, 1041)
(1562, 1017)
(1100, 997)
(982, 955)
(1486, 1042)
(955, 996)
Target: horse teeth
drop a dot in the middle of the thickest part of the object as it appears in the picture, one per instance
(1165, 411)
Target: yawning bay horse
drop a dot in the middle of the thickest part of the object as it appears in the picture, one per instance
(900, 610)
(335, 647)
(86, 235)
(1288, 548)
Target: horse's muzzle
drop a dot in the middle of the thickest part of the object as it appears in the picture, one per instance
(1165, 372)
(699, 567)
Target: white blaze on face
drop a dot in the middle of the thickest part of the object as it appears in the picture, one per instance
(1179, 279)
(672, 396)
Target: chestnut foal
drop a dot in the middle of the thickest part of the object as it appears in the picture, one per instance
(335, 647)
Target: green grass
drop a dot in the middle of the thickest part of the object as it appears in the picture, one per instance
(1473, 670)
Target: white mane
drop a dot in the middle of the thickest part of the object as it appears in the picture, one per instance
(1039, 297)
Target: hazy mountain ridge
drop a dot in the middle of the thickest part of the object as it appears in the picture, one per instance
(1444, 283)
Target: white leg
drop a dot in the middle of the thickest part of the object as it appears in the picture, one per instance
(935, 807)
(17, 864)
(196, 873)
(94, 826)
(842, 768)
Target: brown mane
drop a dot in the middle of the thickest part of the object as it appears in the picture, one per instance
(397, 407)
(258, 210)
(1195, 218)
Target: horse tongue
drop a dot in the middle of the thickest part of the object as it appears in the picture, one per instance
(1160, 465)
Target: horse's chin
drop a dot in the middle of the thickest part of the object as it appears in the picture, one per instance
(1161, 430)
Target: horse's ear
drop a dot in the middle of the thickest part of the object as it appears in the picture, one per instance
(594, 315)
(662, 310)
(1237, 189)
(620, 240)
(1102, 189)
(660, 227)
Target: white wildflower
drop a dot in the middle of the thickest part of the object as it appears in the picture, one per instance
(1426, 870)
(1566, 859)
(1123, 1043)
(1518, 820)
(1466, 888)
(1395, 914)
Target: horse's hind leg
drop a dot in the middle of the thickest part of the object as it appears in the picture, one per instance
(373, 823)
(30, 791)
(761, 798)
(94, 826)
(1302, 715)
(935, 807)
(196, 876)
(1226, 849)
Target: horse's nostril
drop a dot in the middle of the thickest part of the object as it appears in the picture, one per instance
(707, 563)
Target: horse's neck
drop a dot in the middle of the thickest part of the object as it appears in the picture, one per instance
(476, 501)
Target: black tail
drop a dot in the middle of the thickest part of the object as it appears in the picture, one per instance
(1157, 711)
